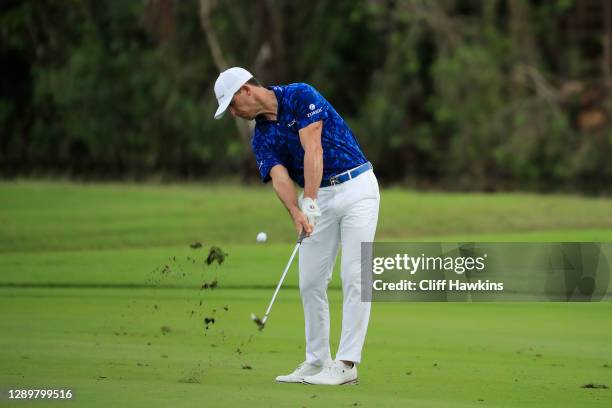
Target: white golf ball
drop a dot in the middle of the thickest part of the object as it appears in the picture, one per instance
(262, 237)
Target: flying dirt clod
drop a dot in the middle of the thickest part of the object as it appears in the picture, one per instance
(215, 254)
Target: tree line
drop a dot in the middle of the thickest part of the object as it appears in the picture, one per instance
(449, 94)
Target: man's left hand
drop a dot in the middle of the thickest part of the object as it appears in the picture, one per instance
(311, 210)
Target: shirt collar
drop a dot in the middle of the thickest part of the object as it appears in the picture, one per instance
(279, 91)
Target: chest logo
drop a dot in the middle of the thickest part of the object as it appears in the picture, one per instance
(311, 106)
(291, 123)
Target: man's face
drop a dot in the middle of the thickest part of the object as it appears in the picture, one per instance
(243, 104)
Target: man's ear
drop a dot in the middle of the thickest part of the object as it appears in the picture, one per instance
(247, 89)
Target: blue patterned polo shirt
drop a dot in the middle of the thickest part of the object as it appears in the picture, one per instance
(278, 142)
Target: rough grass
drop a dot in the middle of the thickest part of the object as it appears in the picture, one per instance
(43, 216)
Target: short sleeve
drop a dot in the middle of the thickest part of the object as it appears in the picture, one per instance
(308, 106)
(265, 157)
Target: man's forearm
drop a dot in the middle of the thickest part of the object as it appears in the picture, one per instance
(313, 171)
(285, 190)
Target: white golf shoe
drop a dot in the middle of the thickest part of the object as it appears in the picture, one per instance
(334, 373)
(297, 376)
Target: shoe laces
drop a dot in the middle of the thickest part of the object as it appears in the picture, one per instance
(300, 366)
(335, 366)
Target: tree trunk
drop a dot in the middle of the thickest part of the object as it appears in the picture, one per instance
(607, 42)
(244, 128)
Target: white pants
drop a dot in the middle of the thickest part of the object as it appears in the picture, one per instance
(349, 216)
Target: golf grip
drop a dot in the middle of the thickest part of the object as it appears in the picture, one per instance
(297, 245)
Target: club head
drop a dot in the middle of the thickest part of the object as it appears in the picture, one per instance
(260, 324)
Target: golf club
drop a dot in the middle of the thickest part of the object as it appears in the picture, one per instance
(261, 323)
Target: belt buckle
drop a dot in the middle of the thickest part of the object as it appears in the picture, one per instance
(333, 180)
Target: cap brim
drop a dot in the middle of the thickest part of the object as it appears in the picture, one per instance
(222, 108)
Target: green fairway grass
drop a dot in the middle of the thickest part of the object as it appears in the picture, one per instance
(85, 304)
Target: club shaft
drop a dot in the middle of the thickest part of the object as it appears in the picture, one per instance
(281, 281)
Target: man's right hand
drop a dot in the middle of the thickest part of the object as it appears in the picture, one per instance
(301, 222)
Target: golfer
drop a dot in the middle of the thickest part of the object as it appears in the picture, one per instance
(300, 138)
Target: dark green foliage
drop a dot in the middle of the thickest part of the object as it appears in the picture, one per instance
(459, 94)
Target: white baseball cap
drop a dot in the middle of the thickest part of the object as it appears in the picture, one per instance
(228, 83)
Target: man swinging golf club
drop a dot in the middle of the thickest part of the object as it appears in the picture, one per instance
(299, 137)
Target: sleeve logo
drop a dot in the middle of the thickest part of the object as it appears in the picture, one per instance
(314, 112)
